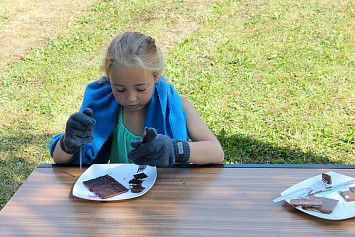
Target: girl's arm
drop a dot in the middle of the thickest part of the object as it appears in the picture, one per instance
(59, 156)
(204, 148)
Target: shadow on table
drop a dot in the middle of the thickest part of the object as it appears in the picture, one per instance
(243, 149)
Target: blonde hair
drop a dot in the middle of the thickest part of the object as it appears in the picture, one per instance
(134, 49)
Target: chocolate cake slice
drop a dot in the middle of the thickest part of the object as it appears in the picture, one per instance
(321, 204)
(327, 178)
(328, 204)
(136, 181)
(140, 176)
(306, 203)
(348, 195)
(106, 186)
(137, 188)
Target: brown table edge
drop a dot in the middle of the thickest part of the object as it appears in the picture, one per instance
(290, 166)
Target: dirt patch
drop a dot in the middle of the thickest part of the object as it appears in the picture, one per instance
(35, 23)
(34, 26)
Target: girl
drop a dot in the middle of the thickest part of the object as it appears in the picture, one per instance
(133, 95)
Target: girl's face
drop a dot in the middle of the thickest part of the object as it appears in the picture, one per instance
(132, 87)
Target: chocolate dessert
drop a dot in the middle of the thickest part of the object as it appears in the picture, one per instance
(136, 181)
(306, 203)
(348, 195)
(137, 188)
(106, 186)
(327, 178)
(140, 176)
(327, 204)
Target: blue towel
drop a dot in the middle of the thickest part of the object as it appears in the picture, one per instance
(164, 113)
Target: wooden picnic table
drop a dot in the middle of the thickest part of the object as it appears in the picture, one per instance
(186, 200)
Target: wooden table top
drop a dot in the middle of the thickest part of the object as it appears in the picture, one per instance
(202, 201)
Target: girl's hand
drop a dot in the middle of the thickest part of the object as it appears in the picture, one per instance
(159, 150)
(78, 131)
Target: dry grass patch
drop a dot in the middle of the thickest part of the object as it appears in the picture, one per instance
(25, 23)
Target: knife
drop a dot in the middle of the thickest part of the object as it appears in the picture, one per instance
(331, 188)
(291, 194)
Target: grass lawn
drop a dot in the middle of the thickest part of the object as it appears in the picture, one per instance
(274, 80)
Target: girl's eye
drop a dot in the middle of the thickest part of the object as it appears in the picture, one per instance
(120, 90)
(141, 89)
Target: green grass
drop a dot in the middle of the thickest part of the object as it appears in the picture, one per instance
(274, 80)
(277, 77)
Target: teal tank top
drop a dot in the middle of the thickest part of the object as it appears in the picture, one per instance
(121, 140)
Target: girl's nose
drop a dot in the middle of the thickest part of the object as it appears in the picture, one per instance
(132, 97)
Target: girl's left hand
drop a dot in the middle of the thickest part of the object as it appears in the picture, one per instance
(159, 150)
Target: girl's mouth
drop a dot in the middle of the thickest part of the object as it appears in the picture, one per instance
(133, 107)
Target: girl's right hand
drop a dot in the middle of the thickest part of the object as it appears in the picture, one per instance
(159, 150)
(78, 131)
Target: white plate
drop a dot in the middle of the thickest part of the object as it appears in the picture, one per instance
(343, 210)
(123, 173)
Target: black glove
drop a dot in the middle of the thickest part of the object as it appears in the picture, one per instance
(159, 150)
(78, 131)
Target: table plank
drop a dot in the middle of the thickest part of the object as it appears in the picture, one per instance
(183, 202)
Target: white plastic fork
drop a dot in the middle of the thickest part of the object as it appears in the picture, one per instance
(303, 192)
(81, 149)
(141, 168)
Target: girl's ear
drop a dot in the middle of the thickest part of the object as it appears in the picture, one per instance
(156, 78)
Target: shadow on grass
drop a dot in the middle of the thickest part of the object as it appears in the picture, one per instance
(20, 153)
(242, 149)
(13, 172)
(17, 158)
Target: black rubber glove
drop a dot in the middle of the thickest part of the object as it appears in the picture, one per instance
(78, 131)
(159, 150)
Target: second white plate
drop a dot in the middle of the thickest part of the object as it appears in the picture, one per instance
(343, 210)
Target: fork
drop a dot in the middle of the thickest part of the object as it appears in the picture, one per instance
(315, 187)
(81, 148)
(303, 192)
(141, 168)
